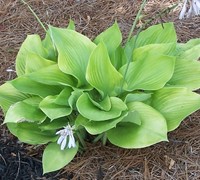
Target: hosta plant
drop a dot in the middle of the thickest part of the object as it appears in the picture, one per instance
(68, 87)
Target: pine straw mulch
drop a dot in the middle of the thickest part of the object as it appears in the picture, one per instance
(177, 159)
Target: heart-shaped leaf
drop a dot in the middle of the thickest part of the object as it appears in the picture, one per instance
(98, 127)
(157, 34)
(26, 85)
(53, 110)
(52, 75)
(88, 110)
(186, 74)
(189, 50)
(74, 50)
(32, 44)
(175, 104)
(35, 62)
(150, 72)
(9, 95)
(54, 159)
(111, 37)
(53, 125)
(30, 133)
(153, 128)
(101, 74)
(22, 111)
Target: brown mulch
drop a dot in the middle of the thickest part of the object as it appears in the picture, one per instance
(178, 159)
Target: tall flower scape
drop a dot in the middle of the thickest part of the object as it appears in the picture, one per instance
(69, 87)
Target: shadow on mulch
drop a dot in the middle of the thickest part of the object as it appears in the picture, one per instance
(17, 164)
(178, 159)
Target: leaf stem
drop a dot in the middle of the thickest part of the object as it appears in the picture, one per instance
(135, 21)
(38, 19)
(81, 140)
(104, 139)
(97, 138)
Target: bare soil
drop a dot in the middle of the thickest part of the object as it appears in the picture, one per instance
(178, 159)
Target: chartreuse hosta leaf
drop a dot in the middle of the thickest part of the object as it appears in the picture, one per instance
(32, 44)
(153, 128)
(190, 50)
(74, 97)
(186, 74)
(157, 34)
(28, 132)
(74, 50)
(98, 127)
(35, 62)
(118, 58)
(49, 45)
(101, 74)
(150, 72)
(52, 75)
(26, 85)
(26, 110)
(104, 104)
(132, 117)
(175, 104)
(139, 96)
(145, 51)
(53, 125)
(54, 159)
(111, 37)
(90, 111)
(56, 106)
(10, 95)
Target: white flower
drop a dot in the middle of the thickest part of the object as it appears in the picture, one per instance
(66, 135)
(193, 10)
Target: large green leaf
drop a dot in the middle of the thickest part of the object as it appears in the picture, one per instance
(26, 85)
(49, 45)
(34, 62)
(54, 159)
(87, 109)
(98, 127)
(32, 44)
(22, 111)
(186, 74)
(153, 129)
(52, 75)
(150, 72)
(53, 110)
(101, 74)
(111, 37)
(53, 125)
(189, 50)
(152, 49)
(9, 95)
(157, 34)
(74, 50)
(175, 104)
(30, 133)
(132, 117)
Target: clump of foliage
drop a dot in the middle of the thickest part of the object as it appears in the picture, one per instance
(131, 95)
